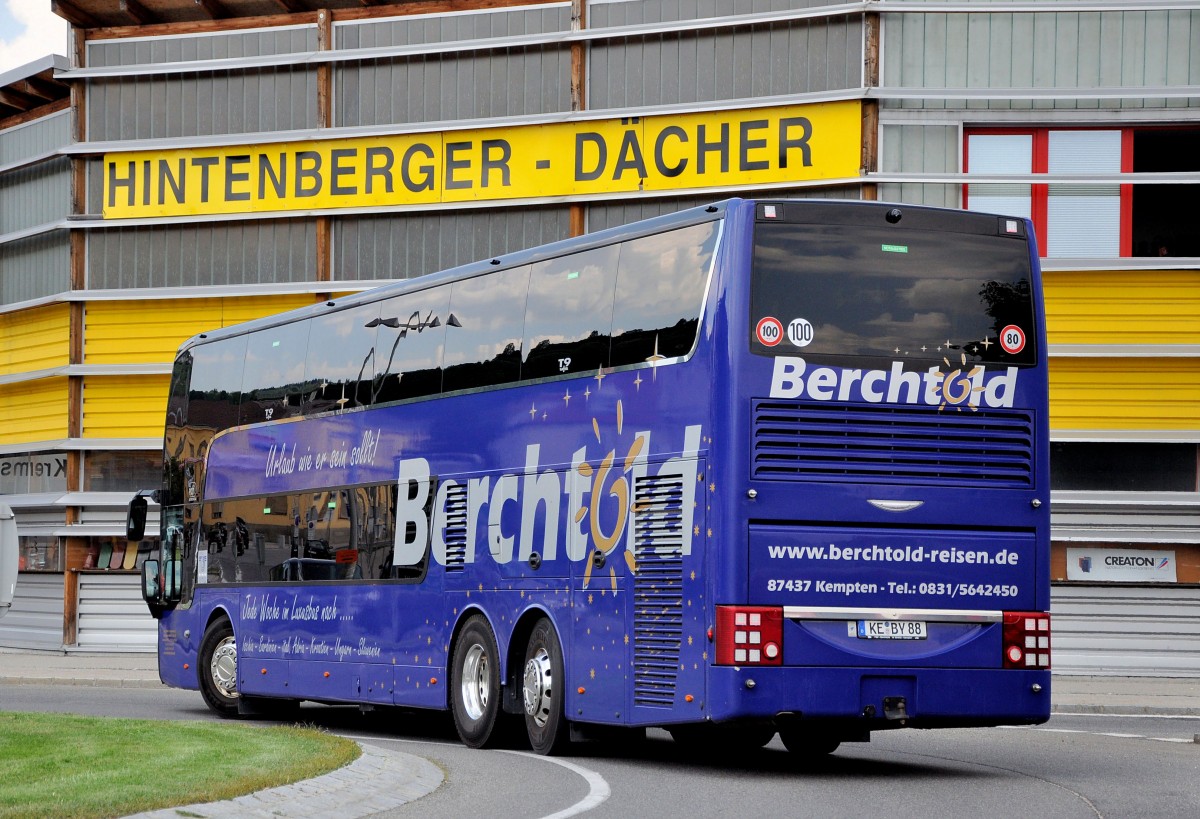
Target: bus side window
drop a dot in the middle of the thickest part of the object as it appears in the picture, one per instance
(375, 529)
(341, 360)
(273, 378)
(485, 349)
(569, 314)
(409, 347)
(661, 281)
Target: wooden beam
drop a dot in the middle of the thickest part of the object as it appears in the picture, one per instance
(11, 119)
(17, 99)
(213, 9)
(73, 14)
(140, 14)
(47, 88)
(869, 160)
(292, 6)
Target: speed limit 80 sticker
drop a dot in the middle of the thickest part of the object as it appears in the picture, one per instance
(1012, 339)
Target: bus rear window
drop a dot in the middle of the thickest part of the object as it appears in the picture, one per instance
(837, 292)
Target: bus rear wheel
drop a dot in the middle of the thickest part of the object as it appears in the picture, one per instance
(475, 684)
(543, 689)
(218, 668)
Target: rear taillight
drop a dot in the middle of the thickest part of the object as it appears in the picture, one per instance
(1026, 639)
(749, 635)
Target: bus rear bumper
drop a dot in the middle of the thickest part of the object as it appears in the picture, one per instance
(881, 697)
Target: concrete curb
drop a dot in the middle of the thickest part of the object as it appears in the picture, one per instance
(377, 781)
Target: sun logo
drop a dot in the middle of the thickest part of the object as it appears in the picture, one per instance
(618, 494)
(957, 389)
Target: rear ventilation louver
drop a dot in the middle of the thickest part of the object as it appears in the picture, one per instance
(657, 588)
(882, 444)
(456, 527)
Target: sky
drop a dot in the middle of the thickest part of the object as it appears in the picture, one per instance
(29, 30)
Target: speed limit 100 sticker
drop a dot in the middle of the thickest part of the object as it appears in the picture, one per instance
(1012, 339)
(769, 331)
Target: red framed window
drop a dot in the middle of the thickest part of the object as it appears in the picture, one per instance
(1088, 219)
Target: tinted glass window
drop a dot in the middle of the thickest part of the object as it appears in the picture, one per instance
(486, 347)
(409, 345)
(660, 292)
(341, 359)
(569, 313)
(247, 540)
(861, 291)
(212, 406)
(1124, 467)
(273, 379)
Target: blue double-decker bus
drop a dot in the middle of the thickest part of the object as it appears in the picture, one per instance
(753, 468)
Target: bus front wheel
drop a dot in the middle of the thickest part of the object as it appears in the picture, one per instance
(543, 688)
(218, 668)
(475, 684)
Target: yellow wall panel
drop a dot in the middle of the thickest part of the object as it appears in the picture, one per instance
(126, 406)
(1125, 393)
(140, 332)
(33, 411)
(36, 339)
(1123, 306)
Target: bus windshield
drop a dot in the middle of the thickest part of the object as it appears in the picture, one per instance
(885, 292)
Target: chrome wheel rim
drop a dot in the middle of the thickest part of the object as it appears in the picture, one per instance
(222, 669)
(476, 687)
(538, 688)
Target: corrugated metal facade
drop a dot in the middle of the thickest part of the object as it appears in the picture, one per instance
(203, 254)
(1065, 50)
(35, 138)
(692, 67)
(1127, 632)
(1105, 394)
(35, 267)
(215, 102)
(138, 332)
(36, 617)
(108, 412)
(112, 616)
(36, 339)
(35, 195)
(1123, 306)
(409, 245)
(34, 411)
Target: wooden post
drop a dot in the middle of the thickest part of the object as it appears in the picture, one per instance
(75, 548)
(578, 216)
(324, 237)
(870, 108)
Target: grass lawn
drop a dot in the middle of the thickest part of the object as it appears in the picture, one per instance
(70, 766)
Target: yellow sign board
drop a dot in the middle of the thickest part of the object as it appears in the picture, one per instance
(740, 148)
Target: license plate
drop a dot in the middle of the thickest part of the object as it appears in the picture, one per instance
(892, 629)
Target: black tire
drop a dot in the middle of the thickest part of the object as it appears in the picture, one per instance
(475, 684)
(543, 690)
(807, 743)
(217, 668)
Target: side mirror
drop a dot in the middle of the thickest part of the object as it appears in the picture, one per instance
(8, 558)
(135, 518)
(151, 592)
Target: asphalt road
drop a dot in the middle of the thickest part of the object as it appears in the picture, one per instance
(1075, 766)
